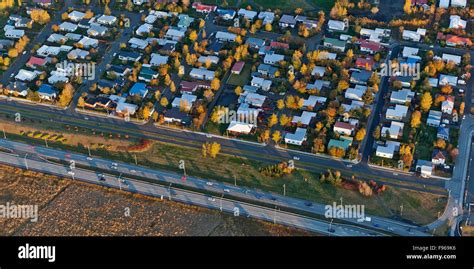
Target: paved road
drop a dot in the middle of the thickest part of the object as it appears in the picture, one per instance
(42, 154)
(224, 204)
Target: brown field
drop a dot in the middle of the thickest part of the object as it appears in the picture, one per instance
(69, 208)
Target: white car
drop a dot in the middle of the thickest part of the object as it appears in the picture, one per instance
(89, 158)
(211, 199)
(296, 158)
(226, 190)
(209, 183)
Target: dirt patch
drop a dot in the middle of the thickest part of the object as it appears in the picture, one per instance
(69, 208)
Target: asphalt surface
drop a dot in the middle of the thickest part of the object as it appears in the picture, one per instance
(29, 153)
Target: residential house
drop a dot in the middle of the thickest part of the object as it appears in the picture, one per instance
(255, 43)
(202, 73)
(296, 138)
(174, 34)
(118, 70)
(438, 157)
(448, 80)
(365, 62)
(425, 168)
(192, 86)
(336, 44)
(343, 128)
(157, 59)
(414, 36)
(399, 112)
(402, 96)
(76, 16)
(14, 33)
(267, 70)
(454, 40)
(35, 62)
(144, 29)
(199, 7)
(434, 118)
(388, 150)
(185, 102)
(25, 75)
(57, 38)
(248, 14)
(360, 76)
(355, 93)
(174, 115)
(107, 20)
(68, 27)
(318, 71)
(236, 128)
(451, 58)
(136, 43)
(87, 42)
(17, 88)
(267, 17)
(261, 83)
(253, 99)
(184, 21)
(304, 120)
(238, 67)
(394, 131)
(225, 36)
(334, 25)
(344, 142)
(287, 21)
(443, 133)
(147, 74)
(139, 89)
(129, 56)
(97, 30)
(47, 92)
(455, 22)
(210, 59)
(226, 14)
(77, 54)
(447, 105)
(273, 58)
(369, 46)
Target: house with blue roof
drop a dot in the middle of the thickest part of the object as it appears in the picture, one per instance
(47, 92)
(226, 14)
(443, 133)
(139, 89)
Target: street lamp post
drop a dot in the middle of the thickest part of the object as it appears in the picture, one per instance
(274, 215)
(330, 224)
(118, 180)
(341, 200)
(169, 191)
(401, 210)
(26, 162)
(221, 202)
(284, 189)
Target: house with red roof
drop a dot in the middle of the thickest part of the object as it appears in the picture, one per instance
(199, 7)
(343, 128)
(279, 45)
(454, 40)
(365, 62)
(192, 86)
(369, 46)
(34, 62)
(237, 68)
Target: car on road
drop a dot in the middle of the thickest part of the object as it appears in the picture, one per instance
(226, 190)
(133, 171)
(273, 198)
(390, 229)
(114, 164)
(209, 183)
(308, 203)
(89, 158)
(375, 225)
(296, 158)
(24, 52)
(211, 199)
(113, 167)
(331, 230)
(102, 178)
(208, 135)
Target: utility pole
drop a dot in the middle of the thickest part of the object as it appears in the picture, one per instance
(235, 180)
(330, 224)
(46, 142)
(118, 179)
(284, 189)
(341, 200)
(89, 150)
(401, 210)
(274, 215)
(4, 134)
(136, 161)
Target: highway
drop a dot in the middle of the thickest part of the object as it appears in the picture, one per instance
(28, 155)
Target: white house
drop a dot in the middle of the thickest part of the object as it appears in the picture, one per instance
(456, 22)
(201, 73)
(355, 93)
(296, 138)
(76, 16)
(318, 70)
(57, 38)
(414, 35)
(448, 80)
(225, 36)
(447, 105)
(77, 54)
(267, 17)
(458, 3)
(248, 14)
(334, 25)
(68, 27)
(186, 101)
(394, 131)
(388, 150)
(25, 75)
(97, 30)
(174, 34)
(107, 20)
(137, 43)
(304, 119)
(261, 83)
(344, 128)
(450, 57)
(46, 51)
(87, 42)
(237, 127)
(157, 59)
(273, 58)
(211, 59)
(144, 29)
(401, 96)
(399, 112)
(15, 34)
